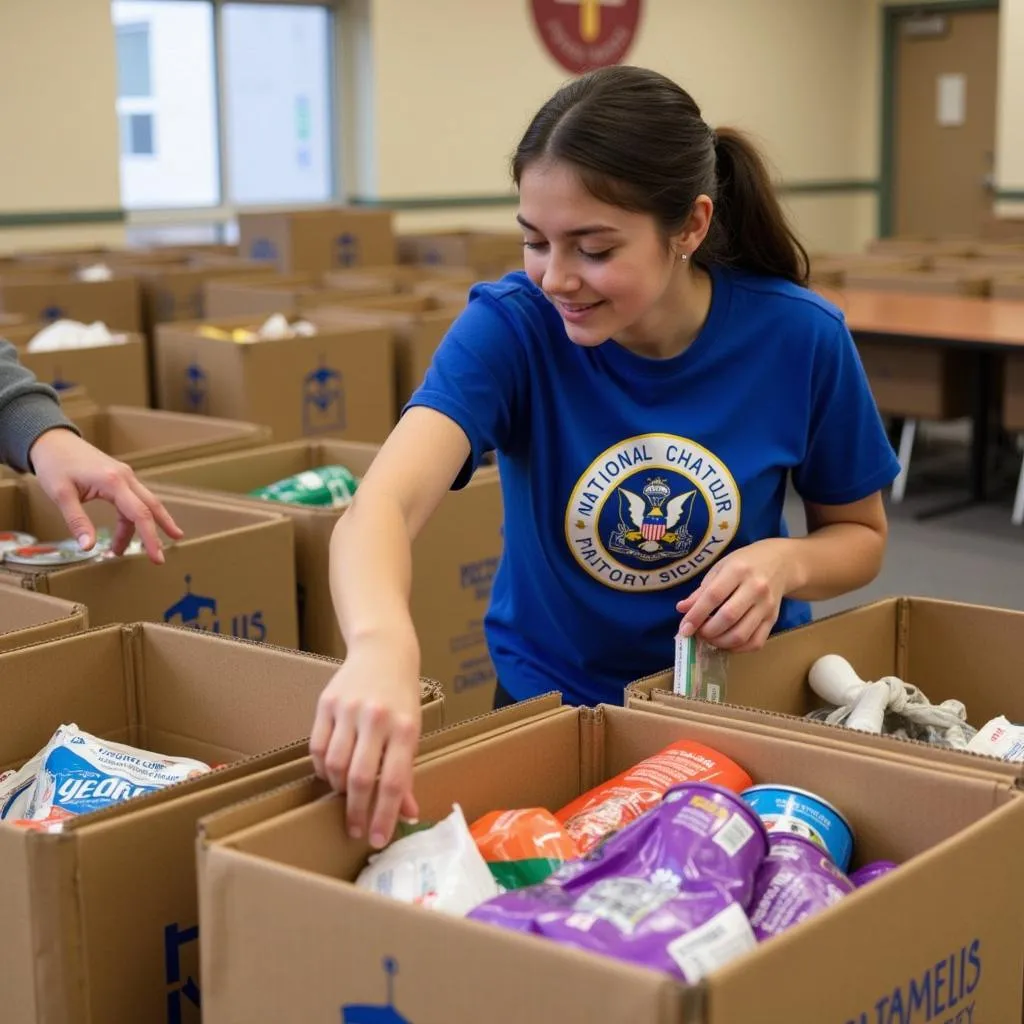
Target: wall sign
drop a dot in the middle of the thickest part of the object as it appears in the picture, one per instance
(586, 34)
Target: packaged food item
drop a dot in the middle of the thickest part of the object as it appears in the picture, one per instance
(614, 804)
(78, 773)
(16, 789)
(438, 867)
(669, 891)
(522, 847)
(796, 881)
(326, 486)
(700, 670)
(999, 738)
(799, 812)
(871, 872)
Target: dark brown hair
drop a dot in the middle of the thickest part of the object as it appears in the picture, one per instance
(638, 141)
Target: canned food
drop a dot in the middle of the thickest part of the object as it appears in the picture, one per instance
(10, 539)
(802, 813)
(64, 552)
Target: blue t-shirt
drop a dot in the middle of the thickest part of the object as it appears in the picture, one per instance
(625, 478)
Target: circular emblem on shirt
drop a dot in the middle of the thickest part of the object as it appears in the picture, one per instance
(651, 512)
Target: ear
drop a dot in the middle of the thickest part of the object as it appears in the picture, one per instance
(695, 230)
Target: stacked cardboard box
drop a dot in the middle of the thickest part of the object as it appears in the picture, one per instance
(28, 618)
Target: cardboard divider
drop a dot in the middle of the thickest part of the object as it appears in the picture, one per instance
(291, 863)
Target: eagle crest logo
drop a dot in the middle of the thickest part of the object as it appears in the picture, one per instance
(653, 524)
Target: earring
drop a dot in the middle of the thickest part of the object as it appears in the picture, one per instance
(682, 257)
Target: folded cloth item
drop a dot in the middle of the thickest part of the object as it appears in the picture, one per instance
(95, 272)
(69, 334)
(888, 706)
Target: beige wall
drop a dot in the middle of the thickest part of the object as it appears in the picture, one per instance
(57, 119)
(1010, 117)
(792, 72)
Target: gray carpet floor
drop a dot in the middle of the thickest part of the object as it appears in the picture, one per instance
(973, 555)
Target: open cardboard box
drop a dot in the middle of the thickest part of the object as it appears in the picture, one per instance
(942, 933)
(56, 296)
(233, 573)
(114, 374)
(290, 294)
(455, 557)
(951, 651)
(488, 253)
(338, 383)
(27, 618)
(416, 331)
(99, 920)
(153, 437)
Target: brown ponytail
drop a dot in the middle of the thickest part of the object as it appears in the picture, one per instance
(638, 141)
(749, 229)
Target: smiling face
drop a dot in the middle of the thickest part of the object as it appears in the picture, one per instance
(608, 271)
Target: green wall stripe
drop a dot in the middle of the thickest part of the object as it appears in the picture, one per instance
(58, 218)
(1010, 195)
(826, 187)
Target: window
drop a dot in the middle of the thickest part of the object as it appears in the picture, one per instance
(137, 135)
(277, 103)
(133, 75)
(263, 137)
(167, 104)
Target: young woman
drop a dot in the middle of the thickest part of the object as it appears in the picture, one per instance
(650, 384)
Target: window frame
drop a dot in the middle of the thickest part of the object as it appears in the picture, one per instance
(223, 216)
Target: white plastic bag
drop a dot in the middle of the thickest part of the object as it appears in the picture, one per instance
(440, 868)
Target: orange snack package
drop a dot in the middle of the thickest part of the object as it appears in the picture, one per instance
(522, 847)
(614, 804)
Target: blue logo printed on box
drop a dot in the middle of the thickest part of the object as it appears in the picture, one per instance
(323, 400)
(940, 993)
(59, 383)
(178, 990)
(199, 612)
(346, 250)
(262, 249)
(368, 1013)
(196, 387)
(51, 313)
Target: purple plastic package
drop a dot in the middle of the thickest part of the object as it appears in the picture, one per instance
(669, 891)
(871, 871)
(796, 880)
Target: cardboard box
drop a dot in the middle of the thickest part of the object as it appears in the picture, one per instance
(951, 651)
(277, 906)
(1013, 392)
(917, 380)
(402, 278)
(489, 253)
(924, 246)
(1008, 284)
(289, 294)
(338, 383)
(455, 558)
(48, 297)
(151, 437)
(312, 241)
(415, 333)
(233, 573)
(10, 320)
(114, 374)
(100, 920)
(968, 284)
(831, 270)
(27, 618)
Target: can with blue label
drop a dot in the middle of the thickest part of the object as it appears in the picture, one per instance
(802, 813)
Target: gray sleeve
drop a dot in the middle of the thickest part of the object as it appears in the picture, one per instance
(28, 408)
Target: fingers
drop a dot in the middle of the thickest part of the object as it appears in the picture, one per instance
(320, 737)
(65, 496)
(136, 512)
(363, 769)
(757, 641)
(711, 594)
(122, 535)
(742, 632)
(162, 517)
(395, 781)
